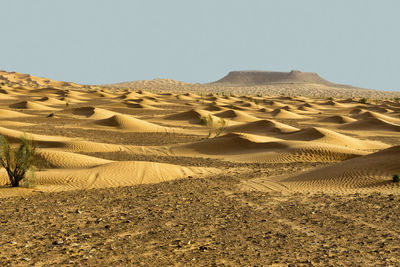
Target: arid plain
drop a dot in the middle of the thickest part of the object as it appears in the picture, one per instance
(167, 173)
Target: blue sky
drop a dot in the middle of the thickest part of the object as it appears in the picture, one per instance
(95, 41)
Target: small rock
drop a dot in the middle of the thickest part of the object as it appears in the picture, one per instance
(203, 248)
(58, 242)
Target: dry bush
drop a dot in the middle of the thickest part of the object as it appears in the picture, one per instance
(17, 160)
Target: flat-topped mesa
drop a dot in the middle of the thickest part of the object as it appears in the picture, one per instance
(250, 78)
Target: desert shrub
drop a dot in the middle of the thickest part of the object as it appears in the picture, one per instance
(209, 121)
(221, 127)
(203, 120)
(396, 178)
(397, 99)
(213, 104)
(363, 100)
(210, 124)
(17, 161)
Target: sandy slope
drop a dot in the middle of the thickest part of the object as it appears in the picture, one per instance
(363, 173)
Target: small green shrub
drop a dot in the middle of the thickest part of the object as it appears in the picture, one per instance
(363, 100)
(17, 161)
(221, 127)
(203, 120)
(213, 104)
(209, 121)
(396, 178)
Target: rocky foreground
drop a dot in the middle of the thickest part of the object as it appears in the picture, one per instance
(198, 222)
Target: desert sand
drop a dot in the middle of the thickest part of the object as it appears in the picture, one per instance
(235, 172)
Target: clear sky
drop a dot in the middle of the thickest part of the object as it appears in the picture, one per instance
(96, 41)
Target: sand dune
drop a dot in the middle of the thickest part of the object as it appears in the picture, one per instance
(60, 142)
(4, 114)
(357, 111)
(380, 109)
(249, 105)
(307, 109)
(262, 127)
(141, 106)
(114, 174)
(363, 173)
(6, 96)
(265, 110)
(98, 93)
(311, 105)
(15, 124)
(290, 108)
(334, 104)
(144, 101)
(371, 124)
(184, 97)
(274, 104)
(284, 114)
(254, 148)
(146, 93)
(132, 124)
(330, 137)
(192, 116)
(93, 112)
(46, 91)
(32, 81)
(129, 95)
(67, 160)
(50, 101)
(191, 95)
(348, 101)
(30, 105)
(236, 116)
(371, 114)
(337, 119)
(214, 108)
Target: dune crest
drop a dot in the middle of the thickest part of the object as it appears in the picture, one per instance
(128, 123)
